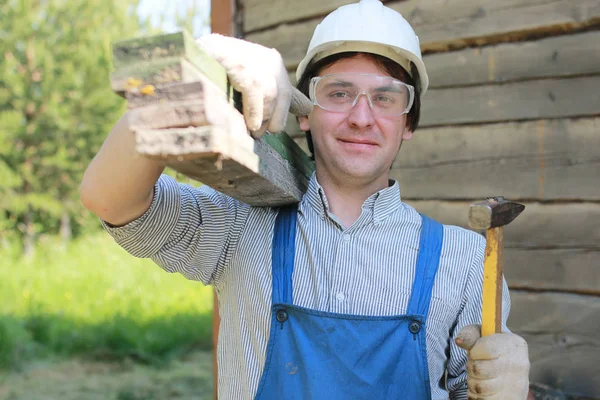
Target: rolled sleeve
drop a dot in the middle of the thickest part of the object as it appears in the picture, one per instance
(145, 236)
(188, 230)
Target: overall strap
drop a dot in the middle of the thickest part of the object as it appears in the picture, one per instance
(283, 252)
(428, 260)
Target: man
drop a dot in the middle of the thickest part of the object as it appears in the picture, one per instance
(351, 294)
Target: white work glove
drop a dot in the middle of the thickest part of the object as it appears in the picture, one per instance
(498, 365)
(259, 74)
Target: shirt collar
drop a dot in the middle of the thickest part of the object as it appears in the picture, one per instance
(382, 203)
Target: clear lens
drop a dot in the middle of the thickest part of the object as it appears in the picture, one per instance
(341, 92)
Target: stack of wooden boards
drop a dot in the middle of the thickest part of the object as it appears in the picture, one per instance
(181, 110)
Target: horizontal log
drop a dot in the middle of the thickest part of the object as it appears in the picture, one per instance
(443, 25)
(541, 226)
(547, 159)
(562, 334)
(557, 98)
(560, 56)
(440, 25)
(565, 270)
(258, 14)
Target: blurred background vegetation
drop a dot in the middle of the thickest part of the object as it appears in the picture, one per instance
(67, 290)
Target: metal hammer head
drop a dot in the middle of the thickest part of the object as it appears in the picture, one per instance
(493, 212)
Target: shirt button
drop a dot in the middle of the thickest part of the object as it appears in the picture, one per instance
(414, 327)
(346, 237)
(340, 296)
(281, 315)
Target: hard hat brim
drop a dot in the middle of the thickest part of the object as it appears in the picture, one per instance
(403, 57)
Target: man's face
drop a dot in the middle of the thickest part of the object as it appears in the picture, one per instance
(356, 146)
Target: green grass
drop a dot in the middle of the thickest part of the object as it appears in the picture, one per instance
(93, 298)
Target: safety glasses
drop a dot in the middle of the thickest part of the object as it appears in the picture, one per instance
(340, 92)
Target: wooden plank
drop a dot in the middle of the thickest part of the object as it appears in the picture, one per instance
(560, 98)
(259, 14)
(255, 174)
(167, 58)
(217, 151)
(565, 270)
(442, 25)
(562, 334)
(290, 40)
(561, 56)
(541, 226)
(158, 72)
(196, 129)
(547, 159)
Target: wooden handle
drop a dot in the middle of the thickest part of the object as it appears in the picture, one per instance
(491, 313)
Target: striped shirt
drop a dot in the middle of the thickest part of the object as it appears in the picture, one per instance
(367, 269)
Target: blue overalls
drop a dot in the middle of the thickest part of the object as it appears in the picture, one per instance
(320, 355)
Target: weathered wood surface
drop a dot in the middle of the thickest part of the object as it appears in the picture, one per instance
(560, 56)
(562, 333)
(193, 125)
(540, 391)
(564, 270)
(556, 98)
(167, 58)
(212, 146)
(254, 172)
(540, 226)
(260, 14)
(148, 75)
(440, 24)
(546, 159)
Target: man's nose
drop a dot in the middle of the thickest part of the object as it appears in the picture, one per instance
(361, 115)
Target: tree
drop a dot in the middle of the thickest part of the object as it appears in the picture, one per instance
(56, 106)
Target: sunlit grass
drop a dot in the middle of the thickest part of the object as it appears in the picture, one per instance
(92, 297)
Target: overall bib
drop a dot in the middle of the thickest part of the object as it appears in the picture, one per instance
(320, 355)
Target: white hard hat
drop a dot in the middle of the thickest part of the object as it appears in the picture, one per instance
(370, 27)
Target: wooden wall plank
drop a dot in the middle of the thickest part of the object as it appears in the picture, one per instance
(442, 25)
(546, 159)
(562, 334)
(290, 40)
(541, 226)
(570, 270)
(561, 56)
(259, 14)
(558, 98)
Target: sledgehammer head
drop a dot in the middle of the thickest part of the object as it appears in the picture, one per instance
(493, 212)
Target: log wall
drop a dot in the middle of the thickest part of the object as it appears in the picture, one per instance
(513, 109)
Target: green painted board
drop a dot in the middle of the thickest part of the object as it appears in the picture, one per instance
(174, 58)
(141, 53)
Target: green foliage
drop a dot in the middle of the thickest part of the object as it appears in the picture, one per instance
(56, 105)
(93, 298)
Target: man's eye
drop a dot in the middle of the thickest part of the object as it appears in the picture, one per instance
(384, 99)
(339, 95)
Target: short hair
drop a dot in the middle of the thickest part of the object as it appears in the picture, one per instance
(391, 67)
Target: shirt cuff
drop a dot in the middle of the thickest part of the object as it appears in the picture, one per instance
(144, 236)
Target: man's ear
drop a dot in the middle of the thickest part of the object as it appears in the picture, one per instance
(407, 134)
(303, 122)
